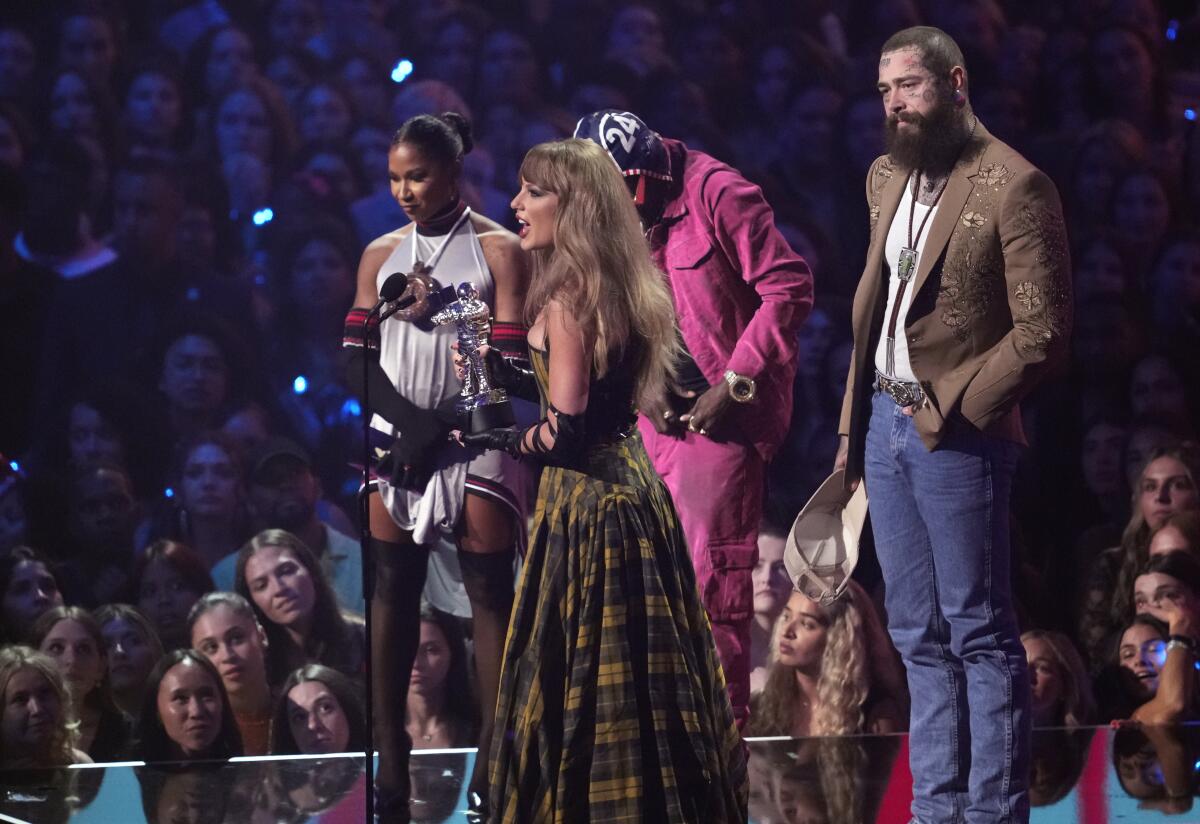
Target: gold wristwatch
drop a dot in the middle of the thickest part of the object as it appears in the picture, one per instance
(741, 388)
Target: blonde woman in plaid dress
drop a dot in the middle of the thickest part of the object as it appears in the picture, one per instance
(612, 701)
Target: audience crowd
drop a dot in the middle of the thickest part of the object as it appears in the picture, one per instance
(186, 185)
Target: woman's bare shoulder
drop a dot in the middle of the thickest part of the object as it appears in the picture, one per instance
(490, 232)
(561, 320)
(390, 240)
(501, 248)
(379, 249)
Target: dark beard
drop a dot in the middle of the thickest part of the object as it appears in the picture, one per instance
(293, 516)
(936, 144)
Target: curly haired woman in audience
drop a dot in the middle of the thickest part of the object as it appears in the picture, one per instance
(37, 729)
(826, 676)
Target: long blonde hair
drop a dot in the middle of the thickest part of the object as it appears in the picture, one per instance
(842, 686)
(15, 658)
(600, 267)
(1078, 705)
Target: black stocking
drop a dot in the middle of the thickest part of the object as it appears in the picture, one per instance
(488, 579)
(395, 632)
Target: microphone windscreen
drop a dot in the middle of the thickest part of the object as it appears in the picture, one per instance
(393, 287)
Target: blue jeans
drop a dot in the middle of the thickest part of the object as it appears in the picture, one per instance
(941, 529)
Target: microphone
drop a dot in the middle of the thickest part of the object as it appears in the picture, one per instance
(397, 306)
(392, 288)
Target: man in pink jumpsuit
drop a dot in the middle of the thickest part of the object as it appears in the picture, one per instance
(740, 294)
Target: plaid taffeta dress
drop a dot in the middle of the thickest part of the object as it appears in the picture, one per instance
(612, 704)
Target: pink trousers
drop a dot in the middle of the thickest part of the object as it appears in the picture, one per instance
(718, 491)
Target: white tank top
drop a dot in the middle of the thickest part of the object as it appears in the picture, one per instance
(418, 363)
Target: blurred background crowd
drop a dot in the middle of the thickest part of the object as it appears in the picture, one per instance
(185, 188)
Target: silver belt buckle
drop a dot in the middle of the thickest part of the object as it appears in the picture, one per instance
(903, 393)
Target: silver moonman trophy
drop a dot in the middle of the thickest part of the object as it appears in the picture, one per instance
(481, 405)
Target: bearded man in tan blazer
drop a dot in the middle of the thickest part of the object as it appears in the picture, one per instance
(963, 305)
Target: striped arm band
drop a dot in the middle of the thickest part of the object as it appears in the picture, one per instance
(509, 338)
(352, 335)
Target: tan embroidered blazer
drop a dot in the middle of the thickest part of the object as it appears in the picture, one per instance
(991, 308)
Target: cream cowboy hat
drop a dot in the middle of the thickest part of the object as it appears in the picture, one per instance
(822, 545)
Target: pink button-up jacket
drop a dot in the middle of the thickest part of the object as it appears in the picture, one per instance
(740, 291)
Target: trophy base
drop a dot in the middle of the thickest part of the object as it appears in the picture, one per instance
(488, 416)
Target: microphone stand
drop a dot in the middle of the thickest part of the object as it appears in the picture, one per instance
(364, 537)
(368, 565)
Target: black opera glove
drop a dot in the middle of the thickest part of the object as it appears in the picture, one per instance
(509, 374)
(397, 473)
(506, 440)
(567, 435)
(409, 463)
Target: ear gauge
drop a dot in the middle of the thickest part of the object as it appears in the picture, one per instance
(960, 99)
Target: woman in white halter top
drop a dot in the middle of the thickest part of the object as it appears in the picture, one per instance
(432, 490)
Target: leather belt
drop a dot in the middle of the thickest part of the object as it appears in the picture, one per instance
(902, 392)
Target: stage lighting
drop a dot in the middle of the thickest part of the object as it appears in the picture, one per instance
(402, 70)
